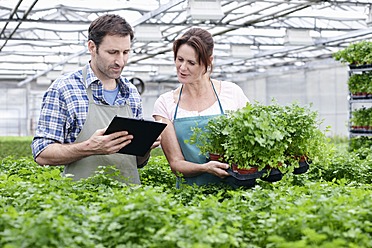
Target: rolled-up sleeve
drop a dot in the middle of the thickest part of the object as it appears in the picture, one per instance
(52, 120)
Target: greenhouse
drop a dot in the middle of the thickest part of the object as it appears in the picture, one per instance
(293, 140)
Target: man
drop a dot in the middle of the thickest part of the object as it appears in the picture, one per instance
(78, 107)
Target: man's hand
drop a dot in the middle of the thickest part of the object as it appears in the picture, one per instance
(156, 143)
(99, 143)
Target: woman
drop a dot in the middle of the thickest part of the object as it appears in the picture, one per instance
(195, 102)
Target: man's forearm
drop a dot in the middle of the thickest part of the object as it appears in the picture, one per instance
(61, 154)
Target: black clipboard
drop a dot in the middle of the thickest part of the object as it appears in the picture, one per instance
(145, 133)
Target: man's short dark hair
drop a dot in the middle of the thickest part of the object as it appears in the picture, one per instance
(109, 24)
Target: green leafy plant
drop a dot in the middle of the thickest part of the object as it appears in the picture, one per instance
(157, 172)
(359, 142)
(330, 208)
(306, 139)
(213, 137)
(256, 137)
(15, 146)
(362, 117)
(360, 83)
(263, 136)
(359, 53)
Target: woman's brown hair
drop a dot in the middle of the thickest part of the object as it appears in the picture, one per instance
(202, 42)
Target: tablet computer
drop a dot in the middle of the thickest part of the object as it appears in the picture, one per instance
(145, 132)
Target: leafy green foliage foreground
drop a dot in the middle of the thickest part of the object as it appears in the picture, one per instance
(15, 146)
(330, 206)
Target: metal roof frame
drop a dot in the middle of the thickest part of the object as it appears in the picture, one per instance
(40, 36)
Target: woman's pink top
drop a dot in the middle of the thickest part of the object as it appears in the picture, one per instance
(231, 97)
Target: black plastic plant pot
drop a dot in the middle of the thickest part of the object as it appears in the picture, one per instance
(271, 175)
(244, 180)
(303, 167)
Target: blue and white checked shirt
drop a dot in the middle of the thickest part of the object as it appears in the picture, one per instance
(65, 106)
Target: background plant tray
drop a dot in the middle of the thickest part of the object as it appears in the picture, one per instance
(360, 66)
(359, 97)
(360, 131)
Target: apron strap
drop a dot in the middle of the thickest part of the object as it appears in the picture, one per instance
(218, 99)
(89, 90)
(179, 99)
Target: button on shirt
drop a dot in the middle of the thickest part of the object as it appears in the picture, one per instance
(65, 107)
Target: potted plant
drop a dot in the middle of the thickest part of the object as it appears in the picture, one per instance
(305, 141)
(361, 121)
(212, 138)
(360, 85)
(357, 54)
(256, 140)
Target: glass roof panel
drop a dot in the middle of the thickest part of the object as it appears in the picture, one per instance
(37, 36)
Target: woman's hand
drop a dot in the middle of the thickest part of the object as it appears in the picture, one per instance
(217, 168)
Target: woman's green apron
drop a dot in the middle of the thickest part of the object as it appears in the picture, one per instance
(191, 153)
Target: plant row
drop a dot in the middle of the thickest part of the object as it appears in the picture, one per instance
(360, 84)
(360, 142)
(362, 118)
(16, 146)
(327, 207)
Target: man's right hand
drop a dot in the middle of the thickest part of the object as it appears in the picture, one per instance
(99, 143)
